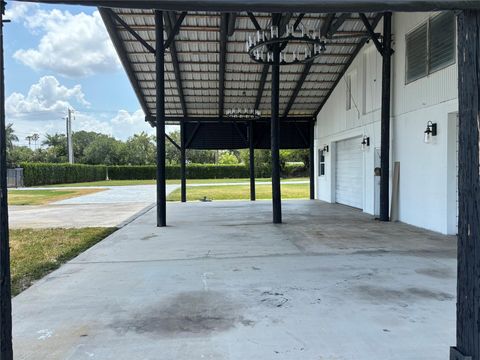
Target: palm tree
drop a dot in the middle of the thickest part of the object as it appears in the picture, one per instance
(10, 136)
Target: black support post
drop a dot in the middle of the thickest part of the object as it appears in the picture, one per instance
(252, 161)
(311, 160)
(468, 265)
(183, 163)
(385, 118)
(275, 138)
(6, 352)
(160, 118)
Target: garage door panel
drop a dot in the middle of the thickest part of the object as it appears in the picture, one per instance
(349, 173)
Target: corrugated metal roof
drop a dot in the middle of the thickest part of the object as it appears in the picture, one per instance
(198, 51)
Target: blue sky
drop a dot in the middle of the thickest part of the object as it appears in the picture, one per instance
(58, 57)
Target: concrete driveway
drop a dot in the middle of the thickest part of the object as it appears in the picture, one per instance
(114, 207)
(222, 282)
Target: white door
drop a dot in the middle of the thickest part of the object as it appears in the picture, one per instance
(349, 173)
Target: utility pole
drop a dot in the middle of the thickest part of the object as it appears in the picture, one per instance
(69, 136)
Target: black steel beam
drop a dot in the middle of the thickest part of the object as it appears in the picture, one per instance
(336, 25)
(6, 351)
(200, 119)
(176, 65)
(160, 119)
(251, 162)
(468, 253)
(306, 6)
(232, 19)
(298, 20)
(261, 85)
(329, 30)
(371, 32)
(325, 29)
(175, 30)
(385, 119)
(254, 21)
(223, 63)
(173, 142)
(311, 162)
(298, 87)
(192, 135)
(132, 32)
(122, 54)
(183, 164)
(275, 138)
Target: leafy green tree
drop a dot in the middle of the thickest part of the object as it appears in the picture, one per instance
(228, 158)
(10, 136)
(140, 149)
(19, 154)
(104, 150)
(56, 148)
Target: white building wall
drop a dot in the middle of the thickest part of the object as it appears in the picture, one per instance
(426, 181)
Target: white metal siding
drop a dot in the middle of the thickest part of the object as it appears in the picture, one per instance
(349, 173)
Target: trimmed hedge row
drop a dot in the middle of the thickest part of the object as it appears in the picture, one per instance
(35, 174)
(194, 171)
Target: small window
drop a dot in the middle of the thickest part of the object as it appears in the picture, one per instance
(430, 47)
(348, 83)
(321, 162)
(442, 41)
(417, 54)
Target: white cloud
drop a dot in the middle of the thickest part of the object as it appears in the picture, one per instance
(16, 11)
(73, 45)
(124, 122)
(44, 107)
(45, 97)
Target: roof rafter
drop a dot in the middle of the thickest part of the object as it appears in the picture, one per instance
(327, 29)
(132, 32)
(175, 30)
(176, 66)
(337, 24)
(222, 64)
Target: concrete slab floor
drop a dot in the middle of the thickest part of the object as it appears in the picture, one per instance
(222, 282)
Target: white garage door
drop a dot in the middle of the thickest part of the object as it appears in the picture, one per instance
(349, 173)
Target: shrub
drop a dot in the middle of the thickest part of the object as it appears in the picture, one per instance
(35, 174)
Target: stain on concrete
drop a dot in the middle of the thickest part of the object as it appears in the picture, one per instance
(196, 313)
(148, 237)
(387, 295)
(438, 273)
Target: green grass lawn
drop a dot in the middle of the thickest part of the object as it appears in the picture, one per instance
(241, 192)
(170, 182)
(34, 253)
(42, 197)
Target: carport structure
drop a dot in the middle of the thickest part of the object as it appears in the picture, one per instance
(188, 65)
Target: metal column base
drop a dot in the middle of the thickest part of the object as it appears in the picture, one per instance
(457, 355)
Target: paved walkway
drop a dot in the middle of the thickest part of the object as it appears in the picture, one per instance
(113, 207)
(222, 282)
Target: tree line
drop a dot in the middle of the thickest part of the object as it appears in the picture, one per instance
(94, 148)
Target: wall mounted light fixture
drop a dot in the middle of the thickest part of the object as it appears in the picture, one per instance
(430, 132)
(365, 142)
(325, 148)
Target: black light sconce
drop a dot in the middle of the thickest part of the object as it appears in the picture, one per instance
(325, 148)
(430, 132)
(365, 142)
